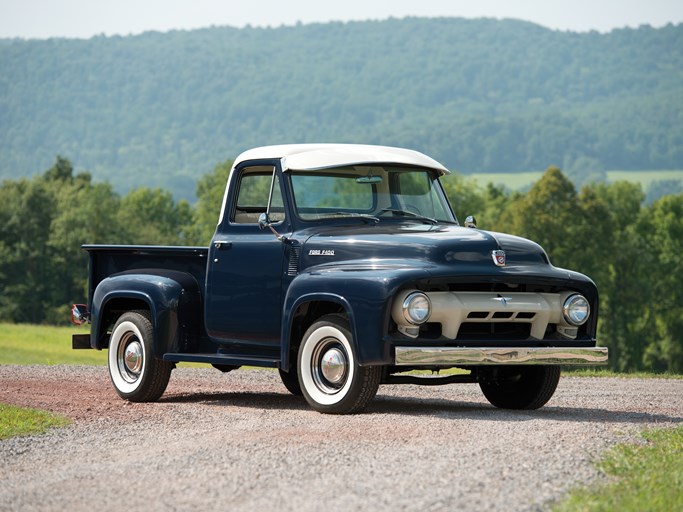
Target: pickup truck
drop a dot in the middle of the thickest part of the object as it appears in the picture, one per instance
(343, 267)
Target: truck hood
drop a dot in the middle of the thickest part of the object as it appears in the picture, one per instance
(416, 245)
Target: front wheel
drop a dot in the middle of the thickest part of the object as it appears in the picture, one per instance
(519, 387)
(136, 374)
(330, 378)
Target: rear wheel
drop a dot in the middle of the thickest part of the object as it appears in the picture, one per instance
(290, 380)
(519, 387)
(330, 378)
(136, 374)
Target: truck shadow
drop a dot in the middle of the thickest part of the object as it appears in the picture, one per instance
(433, 407)
(264, 400)
(483, 410)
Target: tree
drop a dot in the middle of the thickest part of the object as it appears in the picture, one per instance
(550, 215)
(585, 170)
(664, 221)
(661, 188)
(60, 172)
(210, 190)
(26, 275)
(151, 217)
(467, 197)
(620, 262)
(86, 214)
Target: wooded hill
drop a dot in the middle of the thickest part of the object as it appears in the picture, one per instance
(162, 109)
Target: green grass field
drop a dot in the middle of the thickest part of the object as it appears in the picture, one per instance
(640, 477)
(521, 180)
(514, 181)
(17, 421)
(41, 344)
(598, 371)
(45, 344)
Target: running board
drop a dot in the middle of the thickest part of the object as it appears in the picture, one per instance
(229, 359)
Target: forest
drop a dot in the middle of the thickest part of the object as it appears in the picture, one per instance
(483, 95)
(630, 248)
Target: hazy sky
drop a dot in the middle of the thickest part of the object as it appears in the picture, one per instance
(85, 18)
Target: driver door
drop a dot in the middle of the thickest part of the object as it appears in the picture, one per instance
(245, 270)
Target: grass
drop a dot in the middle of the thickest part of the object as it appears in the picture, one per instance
(41, 344)
(645, 178)
(17, 421)
(521, 180)
(513, 181)
(640, 477)
(602, 372)
(25, 344)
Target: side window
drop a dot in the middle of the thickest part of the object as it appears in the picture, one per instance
(252, 196)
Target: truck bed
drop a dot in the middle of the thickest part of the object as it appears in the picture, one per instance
(106, 260)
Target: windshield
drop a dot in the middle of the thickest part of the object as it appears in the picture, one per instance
(374, 192)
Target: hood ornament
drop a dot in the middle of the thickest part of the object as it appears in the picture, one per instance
(503, 300)
(498, 258)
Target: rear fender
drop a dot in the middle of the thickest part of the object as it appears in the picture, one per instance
(171, 297)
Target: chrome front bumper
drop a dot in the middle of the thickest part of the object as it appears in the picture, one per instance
(459, 356)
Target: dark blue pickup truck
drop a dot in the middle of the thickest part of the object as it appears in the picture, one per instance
(344, 267)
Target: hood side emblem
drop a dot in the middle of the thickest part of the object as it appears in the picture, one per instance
(498, 258)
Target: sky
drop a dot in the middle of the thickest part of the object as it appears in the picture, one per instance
(41, 19)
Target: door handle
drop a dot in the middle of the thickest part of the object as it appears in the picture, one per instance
(222, 244)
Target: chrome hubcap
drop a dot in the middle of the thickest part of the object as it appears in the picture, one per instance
(333, 365)
(133, 357)
(330, 366)
(130, 358)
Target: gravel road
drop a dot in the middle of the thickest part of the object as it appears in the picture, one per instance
(239, 441)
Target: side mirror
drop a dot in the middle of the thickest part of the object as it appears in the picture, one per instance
(264, 221)
(470, 222)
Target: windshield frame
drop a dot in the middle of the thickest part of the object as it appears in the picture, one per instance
(389, 203)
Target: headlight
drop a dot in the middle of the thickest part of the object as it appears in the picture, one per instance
(576, 310)
(417, 308)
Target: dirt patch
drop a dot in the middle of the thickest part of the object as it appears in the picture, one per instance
(78, 399)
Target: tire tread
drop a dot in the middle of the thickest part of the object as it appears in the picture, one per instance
(533, 393)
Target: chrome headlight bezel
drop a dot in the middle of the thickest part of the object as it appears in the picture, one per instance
(417, 308)
(576, 310)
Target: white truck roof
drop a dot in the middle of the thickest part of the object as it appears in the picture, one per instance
(308, 157)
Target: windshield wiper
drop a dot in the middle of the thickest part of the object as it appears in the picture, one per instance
(357, 215)
(410, 214)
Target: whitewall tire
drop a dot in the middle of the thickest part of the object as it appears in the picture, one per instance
(135, 373)
(329, 376)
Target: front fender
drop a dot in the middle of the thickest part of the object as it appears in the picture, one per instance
(366, 296)
(172, 299)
